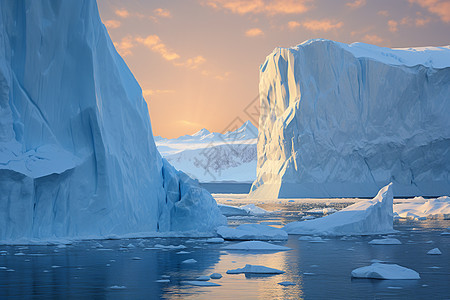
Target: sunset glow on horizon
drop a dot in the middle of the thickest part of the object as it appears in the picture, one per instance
(197, 61)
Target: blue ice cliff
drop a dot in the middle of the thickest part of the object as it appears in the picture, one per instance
(342, 120)
(77, 155)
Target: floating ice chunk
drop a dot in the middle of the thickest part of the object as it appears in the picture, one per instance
(189, 261)
(321, 211)
(304, 218)
(163, 280)
(434, 251)
(201, 283)
(445, 233)
(170, 247)
(421, 209)
(215, 276)
(117, 287)
(256, 245)
(215, 240)
(203, 278)
(254, 269)
(131, 246)
(286, 283)
(229, 210)
(183, 252)
(364, 217)
(19, 254)
(385, 271)
(136, 258)
(386, 241)
(254, 210)
(252, 232)
(309, 273)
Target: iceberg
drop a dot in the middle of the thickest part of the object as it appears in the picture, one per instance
(367, 217)
(418, 208)
(385, 271)
(254, 269)
(340, 120)
(77, 154)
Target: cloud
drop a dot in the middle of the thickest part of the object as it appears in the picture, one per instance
(321, 25)
(293, 25)
(125, 45)
(149, 92)
(422, 22)
(437, 7)
(253, 32)
(192, 63)
(154, 43)
(393, 26)
(267, 7)
(112, 24)
(123, 13)
(356, 4)
(161, 12)
(372, 39)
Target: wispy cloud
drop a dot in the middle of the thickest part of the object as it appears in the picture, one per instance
(267, 7)
(150, 92)
(372, 39)
(253, 32)
(356, 4)
(293, 24)
(383, 13)
(112, 24)
(437, 7)
(161, 12)
(322, 25)
(192, 63)
(393, 25)
(125, 45)
(422, 21)
(154, 43)
(123, 13)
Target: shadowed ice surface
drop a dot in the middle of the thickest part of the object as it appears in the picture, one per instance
(126, 269)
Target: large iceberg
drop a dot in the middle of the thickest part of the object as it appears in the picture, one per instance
(342, 120)
(77, 155)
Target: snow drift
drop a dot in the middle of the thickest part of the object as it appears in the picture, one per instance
(77, 155)
(362, 218)
(342, 120)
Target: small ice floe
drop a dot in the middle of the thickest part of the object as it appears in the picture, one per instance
(254, 210)
(201, 283)
(141, 244)
(215, 240)
(321, 211)
(131, 246)
(434, 251)
(215, 276)
(117, 287)
(169, 247)
(3, 268)
(395, 287)
(136, 258)
(10, 270)
(229, 210)
(385, 271)
(256, 245)
(56, 267)
(103, 249)
(429, 242)
(309, 273)
(385, 241)
(311, 239)
(304, 218)
(445, 233)
(183, 252)
(163, 280)
(165, 276)
(203, 278)
(291, 200)
(434, 267)
(189, 261)
(286, 283)
(61, 246)
(252, 232)
(254, 269)
(19, 254)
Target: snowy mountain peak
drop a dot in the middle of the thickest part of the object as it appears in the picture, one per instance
(202, 132)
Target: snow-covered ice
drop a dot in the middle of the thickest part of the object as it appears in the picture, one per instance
(385, 271)
(252, 232)
(385, 241)
(254, 210)
(434, 251)
(77, 154)
(215, 240)
(420, 208)
(254, 269)
(203, 278)
(229, 210)
(189, 261)
(286, 283)
(362, 218)
(342, 120)
(256, 245)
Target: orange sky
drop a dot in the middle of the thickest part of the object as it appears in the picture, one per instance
(197, 61)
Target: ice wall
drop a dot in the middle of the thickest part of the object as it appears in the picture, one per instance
(77, 155)
(343, 120)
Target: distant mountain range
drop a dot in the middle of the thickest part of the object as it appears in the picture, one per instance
(213, 156)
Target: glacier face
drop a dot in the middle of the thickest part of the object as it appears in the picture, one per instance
(343, 120)
(77, 155)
